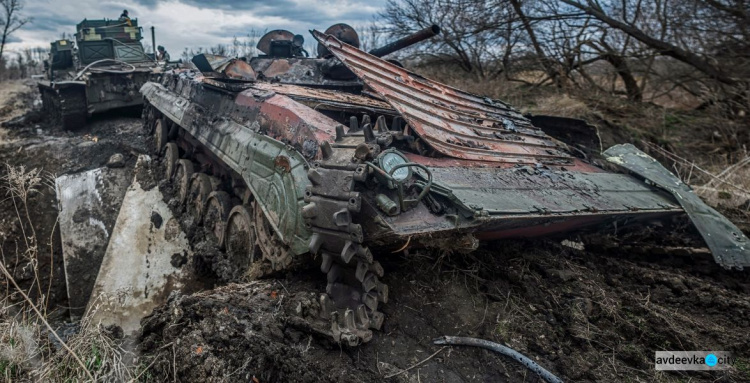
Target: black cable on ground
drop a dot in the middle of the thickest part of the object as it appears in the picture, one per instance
(500, 349)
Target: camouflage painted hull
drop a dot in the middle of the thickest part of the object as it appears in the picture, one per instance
(102, 71)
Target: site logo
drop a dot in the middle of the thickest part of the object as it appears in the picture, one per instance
(693, 360)
(711, 360)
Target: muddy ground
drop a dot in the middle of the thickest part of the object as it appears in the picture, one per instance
(28, 139)
(586, 315)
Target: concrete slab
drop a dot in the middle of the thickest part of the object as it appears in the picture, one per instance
(145, 260)
(89, 203)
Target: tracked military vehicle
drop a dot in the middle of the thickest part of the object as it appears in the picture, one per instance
(349, 158)
(102, 70)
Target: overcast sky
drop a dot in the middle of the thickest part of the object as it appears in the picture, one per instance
(192, 23)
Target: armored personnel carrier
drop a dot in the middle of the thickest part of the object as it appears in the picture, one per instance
(102, 70)
(348, 158)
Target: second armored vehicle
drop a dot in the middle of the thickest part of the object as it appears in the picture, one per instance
(102, 70)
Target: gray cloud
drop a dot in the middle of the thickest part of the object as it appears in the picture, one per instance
(47, 22)
(193, 23)
(227, 5)
(306, 11)
(309, 16)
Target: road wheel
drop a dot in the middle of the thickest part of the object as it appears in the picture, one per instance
(183, 174)
(198, 191)
(217, 208)
(169, 159)
(240, 238)
(160, 135)
(271, 246)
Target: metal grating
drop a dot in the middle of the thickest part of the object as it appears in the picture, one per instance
(453, 122)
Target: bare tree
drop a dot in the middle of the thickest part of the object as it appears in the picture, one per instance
(10, 20)
(476, 35)
(246, 47)
(549, 66)
(665, 47)
(643, 49)
(492, 37)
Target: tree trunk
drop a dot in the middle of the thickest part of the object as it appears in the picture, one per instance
(623, 70)
(663, 47)
(5, 36)
(549, 68)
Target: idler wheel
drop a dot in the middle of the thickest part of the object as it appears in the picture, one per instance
(160, 135)
(240, 238)
(198, 191)
(150, 115)
(217, 208)
(271, 246)
(169, 159)
(182, 175)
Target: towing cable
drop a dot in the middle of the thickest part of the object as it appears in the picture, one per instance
(500, 349)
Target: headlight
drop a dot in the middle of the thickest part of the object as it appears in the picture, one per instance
(389, 160)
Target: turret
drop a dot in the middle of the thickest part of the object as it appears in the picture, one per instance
(286, 61)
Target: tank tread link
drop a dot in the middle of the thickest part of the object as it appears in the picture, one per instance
(215, 189)
(65, 105)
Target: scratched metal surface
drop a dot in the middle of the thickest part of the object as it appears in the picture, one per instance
(527, 190)
(453, 122)
(316, 97)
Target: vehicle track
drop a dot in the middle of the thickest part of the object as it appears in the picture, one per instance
(215, 200)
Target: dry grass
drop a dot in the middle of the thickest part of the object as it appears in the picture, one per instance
(11, 102)
(21, 185)
(20, 350)
(726, 186)
(99, 349)
(20, 330)
(30, 348)
(561, 105)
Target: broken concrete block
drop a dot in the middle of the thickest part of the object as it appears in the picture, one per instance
(88, 203)
(145, 260)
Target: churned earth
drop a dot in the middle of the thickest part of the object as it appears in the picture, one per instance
(593, 309)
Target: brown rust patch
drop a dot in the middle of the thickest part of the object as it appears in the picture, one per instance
(289, 121)
(239, 70)
(282, 163)
(454, 123)
(447, 162)
(301, 92)
(276, 68)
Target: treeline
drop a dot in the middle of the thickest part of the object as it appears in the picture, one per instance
(640, 49)
(243, 46)
(22, 64)
(15, 64)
